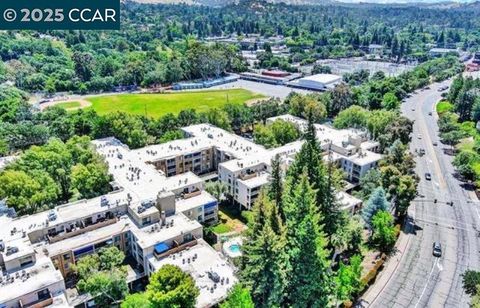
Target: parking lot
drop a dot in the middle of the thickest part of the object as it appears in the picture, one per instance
(262, 88)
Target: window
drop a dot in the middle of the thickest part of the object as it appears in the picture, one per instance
(187, 237)
(43, 294)
(26, 261)
(66, 256)
(146, 220)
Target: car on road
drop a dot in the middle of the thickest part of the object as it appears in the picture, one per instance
(435, 144)
(430, 113)
(437, 249)
(421, 152)
(428, 176)
(419, 136)
(413, 109)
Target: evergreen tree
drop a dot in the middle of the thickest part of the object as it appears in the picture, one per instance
(276, 186)
(264, 261)
(309, 281)
(310, 158)
(376, 202)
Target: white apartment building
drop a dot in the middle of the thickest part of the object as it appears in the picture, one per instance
(350, 149)
(155, 211)
(149, 216)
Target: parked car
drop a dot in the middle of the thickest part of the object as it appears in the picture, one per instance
(419, 136)
(428, 176)
(435, 143)
(437, 249)
(430, 113)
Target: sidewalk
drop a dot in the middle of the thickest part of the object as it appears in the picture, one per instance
(390, 267)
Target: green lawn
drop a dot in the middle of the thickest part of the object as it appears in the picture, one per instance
(157, 105)
(69, 105)
(444, 106)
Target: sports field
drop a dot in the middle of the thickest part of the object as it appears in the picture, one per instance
(156, 105)
(70, 105)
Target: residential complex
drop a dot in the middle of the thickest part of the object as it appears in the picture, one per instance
(156, 211)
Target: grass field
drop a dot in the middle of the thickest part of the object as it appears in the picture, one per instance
(157, 105)
(69, 105)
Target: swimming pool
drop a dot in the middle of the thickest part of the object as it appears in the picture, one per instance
(233, 247)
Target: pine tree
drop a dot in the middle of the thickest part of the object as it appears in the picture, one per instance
(264, 261)
(310, 158)
(309, 280)
(276, 185)
(376, 202)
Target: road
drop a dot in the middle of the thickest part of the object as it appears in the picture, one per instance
(422, 280)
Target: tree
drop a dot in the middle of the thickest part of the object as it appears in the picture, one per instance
(390, 101)
(90, 180)
(452, 138)
(405, 193)
(102, 277)
(107, 287)
(321, 69)
(218, 118)
(138, 300)
(354, 116)
(27, 193)
(238, 297)
(276, 134)
(309, 281)
(171, 287)
(110, 258)
(321, 177)
(464, 161)
(347, 280)
(377, 202)
(341, 98)
(264, 260)
(276, 186)
(369, 182)
(383, 236)
(217, 189)
(471, 281)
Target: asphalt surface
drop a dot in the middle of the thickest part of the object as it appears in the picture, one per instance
(422, 280)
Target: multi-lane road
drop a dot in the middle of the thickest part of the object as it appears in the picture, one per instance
(422, 280)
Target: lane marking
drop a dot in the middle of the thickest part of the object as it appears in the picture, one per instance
(426, 284)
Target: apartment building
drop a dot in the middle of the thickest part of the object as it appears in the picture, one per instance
(149, 216)
(350, 149)
(155, 211)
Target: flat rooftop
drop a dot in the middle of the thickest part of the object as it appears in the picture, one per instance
(36, 277)
(194, 202)
(321, 78)
(365, 158)
(237, 146)
(258, 180)
(137, 177)
(347, 201)
(206, 260)
(153, 234)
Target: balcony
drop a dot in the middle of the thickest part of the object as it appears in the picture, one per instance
(40, 303)
(80, 230)
(192, 194)
(176, 249)
(245, 177)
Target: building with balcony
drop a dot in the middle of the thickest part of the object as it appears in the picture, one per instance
(156, 210)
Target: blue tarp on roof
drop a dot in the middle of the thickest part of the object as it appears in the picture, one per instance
(161, 248)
